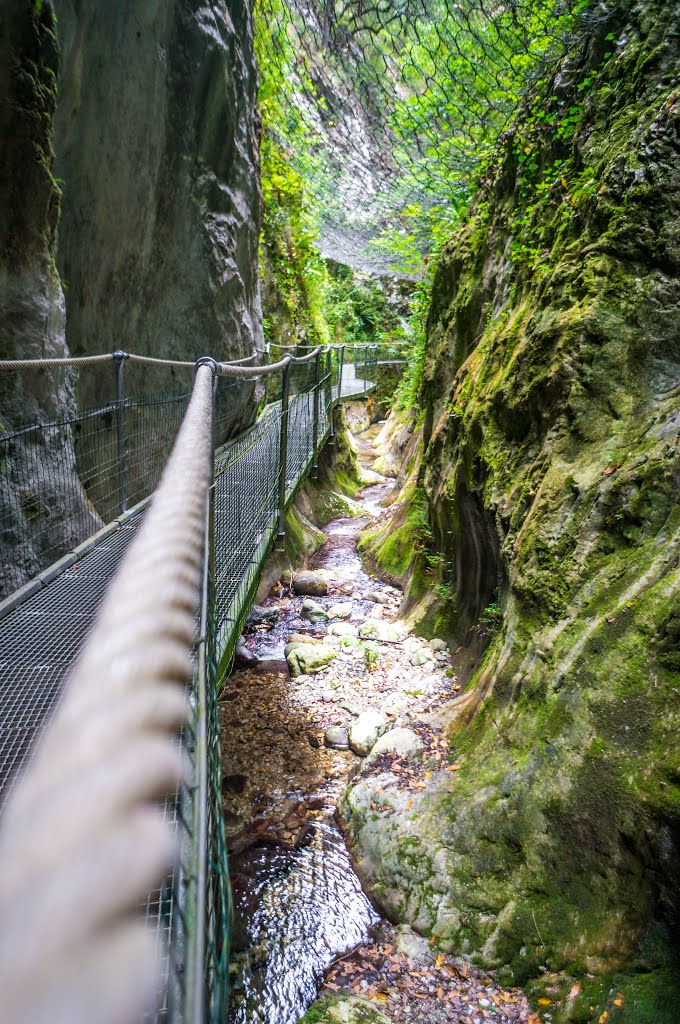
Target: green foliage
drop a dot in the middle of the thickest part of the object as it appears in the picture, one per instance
(391, 112)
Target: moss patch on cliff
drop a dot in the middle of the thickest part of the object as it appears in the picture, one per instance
(550, 479)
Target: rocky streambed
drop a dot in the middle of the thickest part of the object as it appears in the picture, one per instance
(340, 693)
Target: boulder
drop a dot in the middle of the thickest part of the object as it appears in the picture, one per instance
(313, 612)
(340, 611)
(365, 731)
(412, 945)
(336, 738)
(260, 616)
(308, 659)
(309, 583)
(374, 629)
(438, 645)
(420, 658)
(403, 742)
(378, 597)
(244, 658)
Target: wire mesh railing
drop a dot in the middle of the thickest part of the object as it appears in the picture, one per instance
(255, 477)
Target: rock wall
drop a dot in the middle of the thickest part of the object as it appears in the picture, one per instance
(157, 145)
(32, 307)
(551, 478)
(150, 108)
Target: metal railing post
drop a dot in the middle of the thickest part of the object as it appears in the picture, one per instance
(342, 366)
(365, 371)
(329, 372)
(283, 453)
(317, 383)
(119, 358)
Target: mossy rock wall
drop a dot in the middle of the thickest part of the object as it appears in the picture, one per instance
(551, 478)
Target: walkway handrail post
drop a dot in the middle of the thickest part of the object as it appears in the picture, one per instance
(365, 370)
(329, 374)
(342, 364)
(119, 358)
(283, 452)
(317, 396)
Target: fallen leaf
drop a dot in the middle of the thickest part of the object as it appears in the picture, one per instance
(618, 1002)
(604, 1017)
(574, 991)
(543, 1001)
(453, 768)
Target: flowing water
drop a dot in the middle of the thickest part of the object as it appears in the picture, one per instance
(296, 910)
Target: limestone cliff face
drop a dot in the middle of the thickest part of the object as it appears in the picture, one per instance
(32, 305)
(150, 108)
(551, 476)
(157, 145)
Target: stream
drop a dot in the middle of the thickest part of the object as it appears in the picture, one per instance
(298, 904)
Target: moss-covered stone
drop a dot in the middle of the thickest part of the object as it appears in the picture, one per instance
(550, 479)
(344, 1010)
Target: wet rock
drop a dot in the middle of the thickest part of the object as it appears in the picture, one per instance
(336, 738)
(365, 731)
(308, 659)
(378, 597)
(244, 658)
(420, 658)
(438, 645)
(343, 629)
(310, 583)
(403, 742)
(260, 616)
(374, 629)
(340, 611)
(288, 832)
(303, 638)
(313, 612)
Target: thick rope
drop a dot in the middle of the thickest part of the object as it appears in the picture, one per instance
(36, 364)
(82, 837)
(230, 370)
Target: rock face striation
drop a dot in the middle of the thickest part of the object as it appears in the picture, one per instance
(145, 114)
(550, 479)
(157, 144)
(32, 307)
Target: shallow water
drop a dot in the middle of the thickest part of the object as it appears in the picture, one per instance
(296, 911)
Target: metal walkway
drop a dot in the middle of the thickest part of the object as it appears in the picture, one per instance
(45, 625)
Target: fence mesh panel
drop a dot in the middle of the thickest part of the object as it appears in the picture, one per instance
(70, 470)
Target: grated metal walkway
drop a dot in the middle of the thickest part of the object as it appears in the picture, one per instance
(42, 637)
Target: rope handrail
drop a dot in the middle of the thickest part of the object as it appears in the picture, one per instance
(110, 752)
(231, 370)
(36, 364)
(145, 629)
